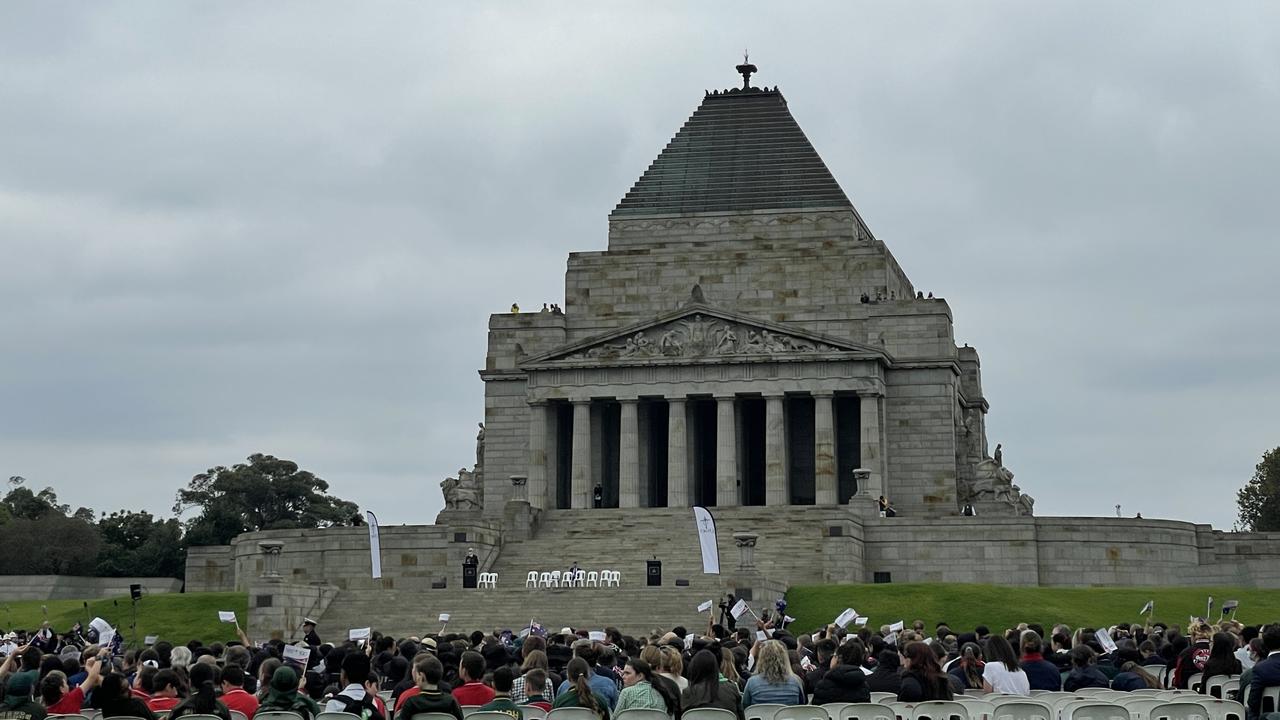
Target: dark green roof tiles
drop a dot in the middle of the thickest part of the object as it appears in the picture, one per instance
(738, 151)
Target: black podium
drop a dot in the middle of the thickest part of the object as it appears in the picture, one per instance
(653, 572)
(469, 575)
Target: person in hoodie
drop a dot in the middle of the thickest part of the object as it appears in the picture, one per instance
(886, 676)
(845, 681)
(1084, 674)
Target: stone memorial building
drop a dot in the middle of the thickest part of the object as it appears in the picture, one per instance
(744, 340)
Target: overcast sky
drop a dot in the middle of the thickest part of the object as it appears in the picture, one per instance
(237, 227)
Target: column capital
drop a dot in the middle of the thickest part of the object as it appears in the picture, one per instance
(870, 393)
(629, 400)
(676, 399)
(537, 402)
(580, 401)
(823, 393)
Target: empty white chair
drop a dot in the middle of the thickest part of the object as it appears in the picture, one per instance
(1195, 682)
(1270, 698)
(555, 578)
(488, 580)
(1178, 711)
(801, 712)
(762, 711)
(1021, 710)
(902, 710)
(940, 710)
(1223, 709)
(979, 709)
(593, 580)
(532, 580)
(1139, 706)
(867, 711)
(1095, 711)
(882, 697)
(533, 712)
(611, 577)
(579, 579)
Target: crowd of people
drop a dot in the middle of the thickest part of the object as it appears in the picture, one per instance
(45, 673)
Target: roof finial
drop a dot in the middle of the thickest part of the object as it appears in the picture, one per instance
(745, 69)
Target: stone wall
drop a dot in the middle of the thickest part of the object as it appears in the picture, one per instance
(1069, 551)
(921, 438)
(73, 587)
(210, 568)
(413, 556)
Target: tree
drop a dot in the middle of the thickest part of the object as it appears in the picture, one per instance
(135, 544)
(22, 503)
(264, 494)
(52, 545)
(1259, 499)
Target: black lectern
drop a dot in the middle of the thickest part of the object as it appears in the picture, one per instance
(653, 574)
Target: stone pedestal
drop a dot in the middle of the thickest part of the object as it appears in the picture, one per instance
(746, 542)
(270, 550)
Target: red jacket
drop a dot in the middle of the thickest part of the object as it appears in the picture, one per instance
(472, 693)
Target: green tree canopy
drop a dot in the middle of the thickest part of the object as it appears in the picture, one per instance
(135, 544)
(264, 494)
(1259, 499)
(52, 545)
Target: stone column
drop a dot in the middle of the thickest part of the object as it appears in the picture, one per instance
(726, 453)
(629, 454)
(677, 454)
(580, 478)
(537, 487)
(872, 450)
(824, 450)
(775, 451)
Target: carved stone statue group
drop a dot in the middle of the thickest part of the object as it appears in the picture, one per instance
(466, 491)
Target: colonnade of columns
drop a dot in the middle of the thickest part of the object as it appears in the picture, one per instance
(728, 491)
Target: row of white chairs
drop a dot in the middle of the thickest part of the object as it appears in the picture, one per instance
(487, 580)
(580, 578)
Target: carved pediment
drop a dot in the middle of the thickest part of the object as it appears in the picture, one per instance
(700, 332)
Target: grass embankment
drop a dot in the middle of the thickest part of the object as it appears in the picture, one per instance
(176, 617)
(964, 606)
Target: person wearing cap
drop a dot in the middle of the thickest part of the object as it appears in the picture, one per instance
(309, 633)
(18, 703)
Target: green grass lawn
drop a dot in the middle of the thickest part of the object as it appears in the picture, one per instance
(176, 617)
(963, 606)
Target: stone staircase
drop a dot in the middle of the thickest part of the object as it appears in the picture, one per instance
(788, 552)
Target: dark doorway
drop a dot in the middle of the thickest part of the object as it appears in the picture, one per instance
(800, 451)
(659, 414)
(564, 455)
(751, 449)
(848, 446)
(610, 451)
(702, 419)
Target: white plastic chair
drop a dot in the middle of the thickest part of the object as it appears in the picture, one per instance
(610, 578)
(801, 712)
(1195, 682)
(865, 711)
(469, 710)
(532, 580)
(708, 713)
(1095, 711)
(1178, 711)
(833, 709)
(532, 712)
(277, 715)
(979, 709)
(571, 713)
(327, 715)
(555, 580)
(1223, 709)
(545, 579)
(580, 579)
(902, 710)
(635, 714)
(235, 715)
(593, 580)
(1231, 689)
(881, 697)
(940, 710)
(1022, 710)
(488, 715)
(1139, 706)
(762, 711)
(488, 580)
(429, 716)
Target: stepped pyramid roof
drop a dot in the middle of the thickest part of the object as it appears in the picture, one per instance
(740, 150)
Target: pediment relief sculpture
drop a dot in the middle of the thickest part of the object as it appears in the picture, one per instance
(699, 336)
